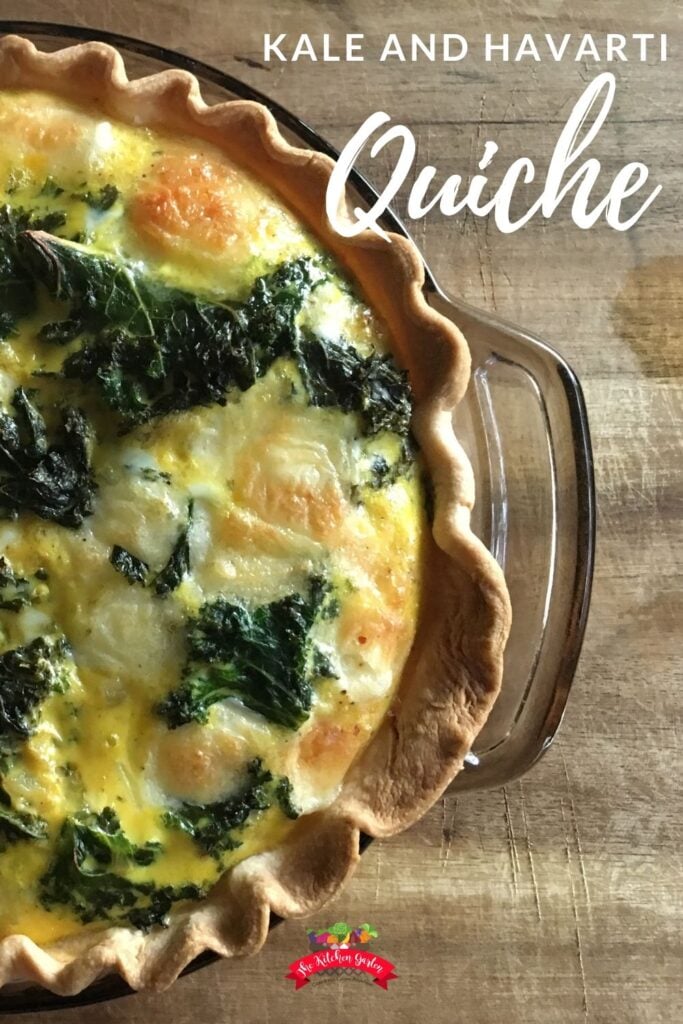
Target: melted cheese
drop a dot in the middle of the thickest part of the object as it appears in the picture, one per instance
(272, 480)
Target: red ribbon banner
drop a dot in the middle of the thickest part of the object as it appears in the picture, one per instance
(332, 959)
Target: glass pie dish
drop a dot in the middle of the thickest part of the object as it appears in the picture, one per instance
(523, 425)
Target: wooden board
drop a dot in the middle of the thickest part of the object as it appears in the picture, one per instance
(557, 898)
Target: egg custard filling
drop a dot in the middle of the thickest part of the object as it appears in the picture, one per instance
(211, 517)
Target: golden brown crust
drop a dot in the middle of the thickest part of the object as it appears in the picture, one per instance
(454, 670)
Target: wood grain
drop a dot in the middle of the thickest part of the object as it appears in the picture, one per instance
(557, 899)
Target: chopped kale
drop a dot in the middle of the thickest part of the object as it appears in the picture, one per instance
(17, 285)
(50, 221)
(154, 909)
(31, 426)
(178, 565)
(70, 771)
(102, 200)
(54, 482)
(336, 374)
(269, 314)
(85, 874)
(213, 826)
(284, 795)
(10, 742)
(16, 219)
(106, 844)
(383, 473)
(51, 188)
(385, 396)
(150, 473)
(321, 664)
(170, 576)
(28, 675)
(60, 332)
(18, 297)
(260, 656)
(17, 825)
(380, 472)
(134, 569)
(152, 349)
(16, 592)
(330, 605)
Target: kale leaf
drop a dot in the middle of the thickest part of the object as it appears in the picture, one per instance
(54, 481)
(102, 200)
(84, 874)
(336, 374)
(150, 473)
(213, 826)
(30, 425)
(284, 794)
(321, 663)
(260, 656)
(268, 317)
(154, 909)
(18, 297)
(133, 568)
(170, 576)
(380, 472)
(28, 675)
(16, 592)
(51, 188)
(178, 565)
(104, 844)
(152, 349)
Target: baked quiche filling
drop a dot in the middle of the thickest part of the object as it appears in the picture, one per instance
(210, 520)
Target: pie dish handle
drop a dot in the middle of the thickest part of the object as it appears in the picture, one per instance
(523, 424)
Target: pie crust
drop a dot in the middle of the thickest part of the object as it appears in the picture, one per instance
(453, 673)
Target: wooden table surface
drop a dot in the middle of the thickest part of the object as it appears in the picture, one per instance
(558, 897)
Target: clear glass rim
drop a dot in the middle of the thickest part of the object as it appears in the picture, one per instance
(112, 986)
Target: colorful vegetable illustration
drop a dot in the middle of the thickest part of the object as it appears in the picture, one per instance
(341, 936)
(367, 932)
(341, 933)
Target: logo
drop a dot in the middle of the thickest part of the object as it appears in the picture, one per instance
(341, 952)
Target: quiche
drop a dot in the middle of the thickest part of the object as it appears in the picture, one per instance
(242, 613)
